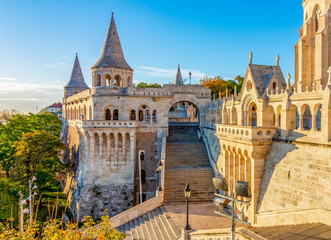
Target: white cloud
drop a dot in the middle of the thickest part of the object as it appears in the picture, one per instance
(7, 79)
(170, 73)
(59, 65)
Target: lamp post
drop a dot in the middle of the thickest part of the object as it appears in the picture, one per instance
(190, 76)
(141, 158)
(187, 192)
(242, 190)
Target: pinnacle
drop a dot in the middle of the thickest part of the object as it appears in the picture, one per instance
(112, 52)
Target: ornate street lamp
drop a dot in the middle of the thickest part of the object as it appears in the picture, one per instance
(242, 190)
(187, 192)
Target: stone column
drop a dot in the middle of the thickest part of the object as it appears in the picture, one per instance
(116, 148)
(123, 148)
(92, 146)
(132, 147)
(313, 122)
(87, 148)
(108, 160)
(112, 78)
(300, 120)
(100, 160)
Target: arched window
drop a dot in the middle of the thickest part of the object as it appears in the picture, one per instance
(98, 80)
(90, 113)
(249, 85)
(117, 79)
(253, 115)
(133, 115)
(108, 115)
(141, 115)
(148, 116)
(129, 81)
(306, 117)
(108, 82)
(318, 117)
(154, 115)
(115, 114)
(273, 85)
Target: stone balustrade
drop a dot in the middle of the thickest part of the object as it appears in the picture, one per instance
(105, 123)
(245, 132)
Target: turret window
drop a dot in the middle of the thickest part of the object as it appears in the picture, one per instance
(115, 114)
(108, 115)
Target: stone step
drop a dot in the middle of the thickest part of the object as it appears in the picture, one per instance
(156, 224)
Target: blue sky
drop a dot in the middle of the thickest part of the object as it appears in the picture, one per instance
(39, 40)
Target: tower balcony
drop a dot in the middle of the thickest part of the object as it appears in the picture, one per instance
(246, 133)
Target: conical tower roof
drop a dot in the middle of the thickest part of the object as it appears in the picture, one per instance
(112, 53)
(76, 78)
(179, 79)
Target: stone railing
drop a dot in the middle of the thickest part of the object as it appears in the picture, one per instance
(106, 123)
(135, 212)
(245, 132)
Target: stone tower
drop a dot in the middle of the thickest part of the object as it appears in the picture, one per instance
(76, 82)
(111, 69)
(312, 52)
(178, 79)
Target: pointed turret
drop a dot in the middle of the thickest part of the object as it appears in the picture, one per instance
(178, 79)
(76, 82)
(112, 53)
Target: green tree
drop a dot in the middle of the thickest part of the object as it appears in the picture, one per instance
(240, 81)
(37, 154)
(148, 85)
(14, 129)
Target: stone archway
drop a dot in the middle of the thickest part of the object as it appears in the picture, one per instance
(184, 112)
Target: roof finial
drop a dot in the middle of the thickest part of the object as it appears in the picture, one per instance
(112, 14)
(277, 60)
(329, 72)
(288, 81)
(76, 54)
(250, 58)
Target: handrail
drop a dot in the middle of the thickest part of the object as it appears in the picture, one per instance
(162, 160)
(214, 166)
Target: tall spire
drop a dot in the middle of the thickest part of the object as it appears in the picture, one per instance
(112, 53)
(178, 79)
(76, 82)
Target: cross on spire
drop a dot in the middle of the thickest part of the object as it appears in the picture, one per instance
(251, 58)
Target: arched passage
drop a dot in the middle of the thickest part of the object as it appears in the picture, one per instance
(184, 112)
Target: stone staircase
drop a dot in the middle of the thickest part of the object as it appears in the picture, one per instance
(153, 225)
(187, 160)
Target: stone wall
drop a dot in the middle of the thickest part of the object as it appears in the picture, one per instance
(147, 140)
(213, 143)
(296, 178)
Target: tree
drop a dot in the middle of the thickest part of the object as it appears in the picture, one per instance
(216, 85)
(14, 129)
(37, 154)
(240, 81)
(148, 85)
(219, 85)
